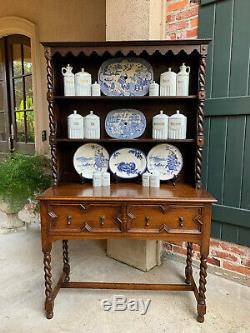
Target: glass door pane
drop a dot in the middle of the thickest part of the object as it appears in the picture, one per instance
(27, 64)
(17, 59)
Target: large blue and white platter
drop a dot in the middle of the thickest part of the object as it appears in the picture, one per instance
(125, 123)
(125, 76)
(128, 163)
(166, 160)
(90, 158)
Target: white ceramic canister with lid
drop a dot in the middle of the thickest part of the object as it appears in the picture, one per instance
(92, 126)
(95, 89)
(68, 80)
(182, 81)
(168, 83)
(155, 180)
(177, 126)
(146, 179)
(97, 179)
(154, 89)
(160, 126)
(83, 83)
(75, 126)
(106, 178)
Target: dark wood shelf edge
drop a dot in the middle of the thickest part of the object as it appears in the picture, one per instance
(126, 98)
(127, 140)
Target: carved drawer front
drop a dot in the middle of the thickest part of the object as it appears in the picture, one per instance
(84, 217)
(164, 219)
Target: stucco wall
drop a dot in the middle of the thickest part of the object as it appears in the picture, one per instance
(134, 19)
(54, 20)
(61, 19)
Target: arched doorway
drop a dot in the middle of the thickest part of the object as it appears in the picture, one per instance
(16, 95)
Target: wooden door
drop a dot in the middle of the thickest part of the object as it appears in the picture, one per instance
(226, 171)
(16, 96)
(4, 105)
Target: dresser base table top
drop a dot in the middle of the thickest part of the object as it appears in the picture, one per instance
(126, 211)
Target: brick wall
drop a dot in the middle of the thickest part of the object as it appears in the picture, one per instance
(226, 255)
(182, 19)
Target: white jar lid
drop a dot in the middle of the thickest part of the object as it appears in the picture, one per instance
(161, 115)
(177, 115)
(91, 115)
(75, 115)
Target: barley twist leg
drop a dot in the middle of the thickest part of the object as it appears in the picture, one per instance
(201, 307)
(66, 266)
(188, 268)
(49, 302)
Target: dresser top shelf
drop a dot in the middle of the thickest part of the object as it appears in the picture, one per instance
(127, 191)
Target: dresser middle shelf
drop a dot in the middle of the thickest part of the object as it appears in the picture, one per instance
(126, 98)
(141, 140)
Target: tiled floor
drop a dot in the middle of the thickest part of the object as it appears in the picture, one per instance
(22, 294)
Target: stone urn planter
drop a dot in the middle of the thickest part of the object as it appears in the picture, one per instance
(22, 177)
(9, 218)
(29, 213)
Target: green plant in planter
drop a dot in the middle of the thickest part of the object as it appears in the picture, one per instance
(22, 177)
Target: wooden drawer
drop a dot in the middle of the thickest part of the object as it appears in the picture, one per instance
(84, 217)
(163, 218)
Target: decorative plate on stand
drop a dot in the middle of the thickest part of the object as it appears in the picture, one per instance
(125, 76)
(128, 163)
(89, 158)
(125, 124)
(166, 160)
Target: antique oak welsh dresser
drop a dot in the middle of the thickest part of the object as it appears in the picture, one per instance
(71, 210)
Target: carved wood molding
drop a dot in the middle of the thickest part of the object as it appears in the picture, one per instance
(52, 215)
(164, 228)
(84, 207)
(85, 227)
(164, 208)
(125, 50)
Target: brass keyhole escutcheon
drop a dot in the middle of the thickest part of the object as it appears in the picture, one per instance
(147, 221)
(181, 221)
(101, 220)
(68, 220)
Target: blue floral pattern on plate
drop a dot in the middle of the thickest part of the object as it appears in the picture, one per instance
(125, 76)
(165, 159)
(128, 163)
(89, 158)
(125, 123)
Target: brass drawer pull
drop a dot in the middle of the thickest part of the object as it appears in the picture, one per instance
(181, 221)
(68, 219)
(147, 220)
(101, 220)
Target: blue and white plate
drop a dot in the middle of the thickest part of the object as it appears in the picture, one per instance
(125, 124)
(128, 163)
(125, 76)
(166, 160)
(90, 158)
